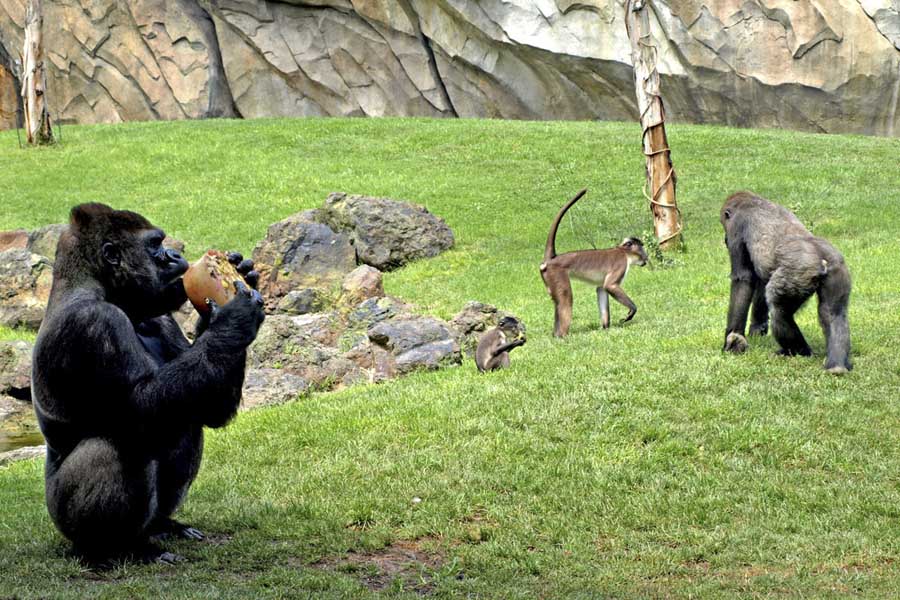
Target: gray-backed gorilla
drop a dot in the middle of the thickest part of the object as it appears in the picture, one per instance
(777, 264)
(121, 396)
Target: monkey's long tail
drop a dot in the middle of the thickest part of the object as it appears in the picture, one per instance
(550, 249)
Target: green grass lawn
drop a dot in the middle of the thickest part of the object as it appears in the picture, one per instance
(640, 461)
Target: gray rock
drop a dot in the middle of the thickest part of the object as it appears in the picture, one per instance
(44, 240)
(433, 355)
(41, 241)
(25, 281)
(303, 345)
(268, 387)
(386, 233)
(374, 310)
(300, 302)
(297, 253)
(15, 369)
(26, 453)
(377, 363)
(11, 406)
(416, 341)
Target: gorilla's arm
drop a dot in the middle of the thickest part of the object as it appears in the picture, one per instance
(742, 286)
(202, 384)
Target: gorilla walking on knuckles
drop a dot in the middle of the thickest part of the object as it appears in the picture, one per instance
(121, 395)
(777, 264)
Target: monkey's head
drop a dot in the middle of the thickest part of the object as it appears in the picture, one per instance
(635, 250)
(512, 328)
(123, 252)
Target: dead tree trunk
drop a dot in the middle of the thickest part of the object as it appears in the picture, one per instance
(660, 174)
(34, 79)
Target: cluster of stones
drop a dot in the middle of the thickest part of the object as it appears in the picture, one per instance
(329, 322)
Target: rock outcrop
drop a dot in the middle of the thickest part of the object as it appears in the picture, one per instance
(15, 369)
(298, 252)
(815, 66)
(386, 233)
(25, 281)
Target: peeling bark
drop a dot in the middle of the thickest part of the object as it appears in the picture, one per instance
(34, 79)
(660, 174)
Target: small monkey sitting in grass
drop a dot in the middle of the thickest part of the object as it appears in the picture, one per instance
(494, 346)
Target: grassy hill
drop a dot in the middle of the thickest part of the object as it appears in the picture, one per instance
(634, 462)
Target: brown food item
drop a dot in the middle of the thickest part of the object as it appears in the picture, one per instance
(211, 277)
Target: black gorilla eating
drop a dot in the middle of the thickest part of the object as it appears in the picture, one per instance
(121, 396)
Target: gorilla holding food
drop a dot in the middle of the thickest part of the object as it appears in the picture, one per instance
(777, 264)
(121, 395)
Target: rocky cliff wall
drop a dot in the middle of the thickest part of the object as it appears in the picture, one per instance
(814, 65)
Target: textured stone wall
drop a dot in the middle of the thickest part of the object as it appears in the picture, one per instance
(815, 65)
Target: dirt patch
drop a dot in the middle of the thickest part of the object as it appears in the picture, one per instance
(405, 564)
(218, 539)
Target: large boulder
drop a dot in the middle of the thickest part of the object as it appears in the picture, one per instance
(386, 233)
(299, 252)
(375, 310)
(301, 302)
(15, 369)
(25, 281)
(416, 342)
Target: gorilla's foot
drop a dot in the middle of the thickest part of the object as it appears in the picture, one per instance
(759, 329)
(151, 553)
(168, 558)
(736, 343)
(801, 351)
(145, 553)
(836, 368)
(163, 529)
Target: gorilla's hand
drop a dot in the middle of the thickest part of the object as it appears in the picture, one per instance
(245, 268)
(238, 321)
(735, 343)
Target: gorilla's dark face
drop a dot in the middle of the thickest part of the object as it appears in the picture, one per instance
(145, 275)
(169, 263)
(124, 253)
(155, 287)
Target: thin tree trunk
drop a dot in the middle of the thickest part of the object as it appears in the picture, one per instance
(660, 174)
(34, 79)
